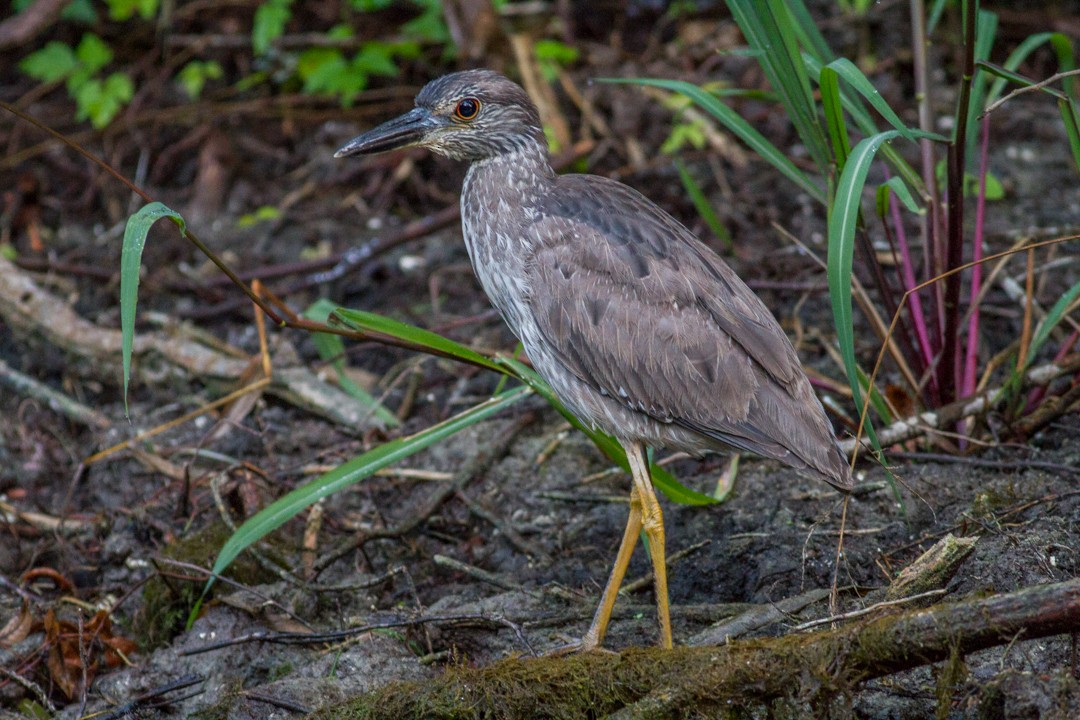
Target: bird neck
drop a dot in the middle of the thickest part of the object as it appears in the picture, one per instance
(517, 178)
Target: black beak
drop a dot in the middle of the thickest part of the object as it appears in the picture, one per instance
(403, 131)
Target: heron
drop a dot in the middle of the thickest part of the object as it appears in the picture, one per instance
(640, 329)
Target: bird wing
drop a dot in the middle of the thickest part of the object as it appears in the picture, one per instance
(636, 307)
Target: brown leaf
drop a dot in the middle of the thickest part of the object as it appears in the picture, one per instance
(17, 628)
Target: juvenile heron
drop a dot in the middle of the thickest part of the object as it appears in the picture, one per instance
(640, 329)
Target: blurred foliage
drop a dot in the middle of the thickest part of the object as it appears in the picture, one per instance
(97, 97)
(339, 67)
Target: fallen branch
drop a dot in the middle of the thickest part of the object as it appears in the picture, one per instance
(31, 311)
(702, 681)
(947, 416)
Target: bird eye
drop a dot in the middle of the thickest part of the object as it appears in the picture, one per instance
(467, 109)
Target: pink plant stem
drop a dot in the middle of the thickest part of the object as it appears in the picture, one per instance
(918, 318)
(971, 353)
(971, 360)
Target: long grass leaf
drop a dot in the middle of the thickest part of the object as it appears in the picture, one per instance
(770, 29)
(1006, 72)
(842, 225)
(829, 85)
(900, 189)
(985, 29)
(1072, 127)
(858, 82)
(738, 126)
(423, 339)
(810, 38)
(868, 127)
(702, 205)
(353, 471)
(138, 225)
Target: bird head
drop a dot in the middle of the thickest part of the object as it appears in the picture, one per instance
(470, 115)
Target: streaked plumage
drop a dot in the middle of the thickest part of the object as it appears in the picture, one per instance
(640, 328)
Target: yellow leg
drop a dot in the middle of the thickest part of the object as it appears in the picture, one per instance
(596, 632)
(652, 521)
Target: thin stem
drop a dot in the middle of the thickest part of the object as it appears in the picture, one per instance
(948, 368)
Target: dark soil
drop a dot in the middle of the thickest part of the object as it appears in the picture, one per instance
(522, 510)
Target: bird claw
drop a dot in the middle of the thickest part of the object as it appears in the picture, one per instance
(574, 646)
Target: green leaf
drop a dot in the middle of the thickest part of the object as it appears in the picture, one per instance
(370, 5)
(375, 58)
(900, 189)
(93, 53)
(430, 26)
(125, 9)
(101, 100)
(554, 51)
(89, 96)
(1042, 333)
(1062, 46)
(193, 76)
(51, 63)
(270, 20)
(855, 78)
(438, 345)
(348, 473)
(772, 29)
(829, 85)
(683, 134)
(138, 225)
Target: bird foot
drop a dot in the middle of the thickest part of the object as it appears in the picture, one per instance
(573, 646)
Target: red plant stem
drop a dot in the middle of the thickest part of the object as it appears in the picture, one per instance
(931, 223)
(915, 307)
(948, 370)
(971, 359)
(967, 386)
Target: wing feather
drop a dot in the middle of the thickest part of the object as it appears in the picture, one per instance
(639, 309)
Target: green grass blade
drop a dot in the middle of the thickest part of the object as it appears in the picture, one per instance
(664, 481)
(829, 84)
(1052, 319)
(138, 225)
(985, 29)
(423, 339)
(842, 225)
(897, 185)
(1072, 127)
(739, 127)
(810, 38)
(348, 473)
(1061, 44)
(855, 78)
(332, 350)
(771, 30)
(702, 205)
(868, 127)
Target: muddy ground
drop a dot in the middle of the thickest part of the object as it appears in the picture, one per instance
(497, 541)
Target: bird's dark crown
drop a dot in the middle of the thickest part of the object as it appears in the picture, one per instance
(506, 119)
